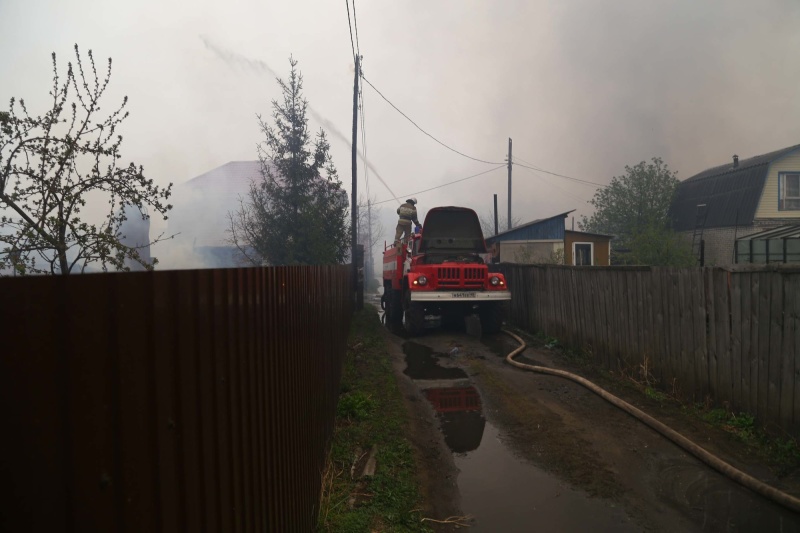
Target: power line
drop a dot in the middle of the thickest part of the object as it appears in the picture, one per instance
(355, 23)
(364, 142)
(446, 184)
(347, 3)
(578, 180)
(552, 183)
(518, 157)
(425, 132)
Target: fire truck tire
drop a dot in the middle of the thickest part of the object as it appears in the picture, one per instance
(414, 319)
(394, 308)
(492, 316)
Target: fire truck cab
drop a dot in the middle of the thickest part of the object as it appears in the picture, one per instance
(441, 276)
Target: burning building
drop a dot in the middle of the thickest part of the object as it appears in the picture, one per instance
(199, 217)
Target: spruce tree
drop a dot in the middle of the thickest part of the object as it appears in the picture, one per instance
(297, 212)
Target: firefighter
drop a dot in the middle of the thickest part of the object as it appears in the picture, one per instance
(408, 214)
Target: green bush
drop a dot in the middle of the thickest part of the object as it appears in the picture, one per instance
(355, 405)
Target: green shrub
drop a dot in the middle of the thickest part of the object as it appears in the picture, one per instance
(355, 405)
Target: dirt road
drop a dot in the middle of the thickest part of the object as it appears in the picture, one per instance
(525, 452)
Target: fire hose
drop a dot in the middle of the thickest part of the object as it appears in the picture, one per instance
(746, 480)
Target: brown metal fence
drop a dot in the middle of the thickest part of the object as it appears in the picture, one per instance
(186, 400)
(731, 335)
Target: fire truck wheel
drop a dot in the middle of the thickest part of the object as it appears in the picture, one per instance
(491, 317)
(414, 319)
(394, 307)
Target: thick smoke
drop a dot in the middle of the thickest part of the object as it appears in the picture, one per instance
(235, 59)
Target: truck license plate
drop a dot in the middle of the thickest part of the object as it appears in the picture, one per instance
(462, 295)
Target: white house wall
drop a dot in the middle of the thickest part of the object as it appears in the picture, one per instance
(529, 251)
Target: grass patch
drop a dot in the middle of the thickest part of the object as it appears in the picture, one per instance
(655, 395)
(538, 340)
(782, 454)
(370, 413)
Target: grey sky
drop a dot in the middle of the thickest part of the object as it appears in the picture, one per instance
(583, 87)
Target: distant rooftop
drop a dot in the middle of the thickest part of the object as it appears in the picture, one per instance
(731, 193)
(202, 204)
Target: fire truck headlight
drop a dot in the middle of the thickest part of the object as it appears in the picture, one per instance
(495, 281)
(422, 280)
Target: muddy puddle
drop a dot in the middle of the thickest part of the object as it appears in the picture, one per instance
(504, 493)
(423, 363)
(501, 491)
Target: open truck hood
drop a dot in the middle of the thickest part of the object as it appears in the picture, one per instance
(452, 230)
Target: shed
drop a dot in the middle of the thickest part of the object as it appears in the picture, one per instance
(538, 241)
(586, 249)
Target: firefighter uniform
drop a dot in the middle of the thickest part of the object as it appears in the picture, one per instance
(408, 214)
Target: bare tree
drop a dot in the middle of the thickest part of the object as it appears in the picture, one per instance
(370, 232)
(52, 165)
(370, 228)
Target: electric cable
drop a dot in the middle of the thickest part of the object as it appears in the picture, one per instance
(578, 180)
(746, 480)
(422, 130)
(347, 3)
(355, 24)
(552, 183)
(364, 143)
(445, 184)
(524, 161)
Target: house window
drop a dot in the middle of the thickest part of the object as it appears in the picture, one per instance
(789, 192)
(582, 253)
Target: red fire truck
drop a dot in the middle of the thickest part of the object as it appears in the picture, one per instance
(441, 276)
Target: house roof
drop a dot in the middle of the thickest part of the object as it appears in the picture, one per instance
(202, 204)
(232, 176)
(587, 233)
(730, 194)
(525, 231)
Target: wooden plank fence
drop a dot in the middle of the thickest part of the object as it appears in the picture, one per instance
(728, 335)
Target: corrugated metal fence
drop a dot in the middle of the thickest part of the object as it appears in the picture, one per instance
(187, 400)
(731, 335)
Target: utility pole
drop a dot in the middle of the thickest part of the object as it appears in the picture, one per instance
(368, 268)
(495, 214)
(509, 183)
(353, 192)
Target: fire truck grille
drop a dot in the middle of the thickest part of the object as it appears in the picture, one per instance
(452, 277)
(449, 277)
(472, 274)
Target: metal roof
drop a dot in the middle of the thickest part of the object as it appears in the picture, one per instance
(731, 194)
(587, 233)
(527, 231)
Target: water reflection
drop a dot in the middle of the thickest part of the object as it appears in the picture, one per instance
(459, 412)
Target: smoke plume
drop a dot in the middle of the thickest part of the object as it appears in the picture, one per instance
(232, 58)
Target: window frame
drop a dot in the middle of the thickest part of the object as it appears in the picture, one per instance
(591, 253)
(782, 188)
